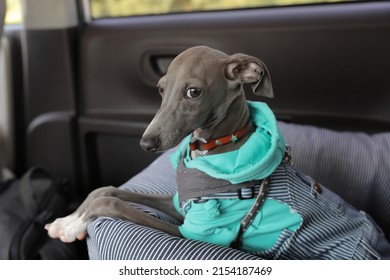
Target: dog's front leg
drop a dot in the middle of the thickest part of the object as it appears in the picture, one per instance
(115, 207)
(163, 203)
(112, 202)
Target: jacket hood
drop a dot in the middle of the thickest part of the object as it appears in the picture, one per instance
(256, 159)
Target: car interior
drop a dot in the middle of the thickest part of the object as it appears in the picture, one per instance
(78, 91)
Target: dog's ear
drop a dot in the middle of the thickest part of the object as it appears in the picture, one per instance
(249, 70)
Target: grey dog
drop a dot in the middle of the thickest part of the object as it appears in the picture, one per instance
(203, 95)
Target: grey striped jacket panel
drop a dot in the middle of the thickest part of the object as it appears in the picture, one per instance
(331, 228)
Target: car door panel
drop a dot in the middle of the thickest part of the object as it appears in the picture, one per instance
(328, 65)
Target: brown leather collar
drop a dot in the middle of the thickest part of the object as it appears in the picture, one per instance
(207, 145)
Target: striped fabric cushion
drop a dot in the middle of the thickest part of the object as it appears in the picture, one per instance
(354, 165)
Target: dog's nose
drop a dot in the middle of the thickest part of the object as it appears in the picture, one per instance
(150, 144)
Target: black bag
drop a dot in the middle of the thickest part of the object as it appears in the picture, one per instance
(26, 205)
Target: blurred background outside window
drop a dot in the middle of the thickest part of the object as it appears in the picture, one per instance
(121, 8)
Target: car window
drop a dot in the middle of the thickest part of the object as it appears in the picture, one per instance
(14, 12)
(118, 8)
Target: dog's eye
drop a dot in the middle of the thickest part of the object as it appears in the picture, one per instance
(193, 93)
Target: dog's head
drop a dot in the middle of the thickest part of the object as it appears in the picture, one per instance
(198, 89)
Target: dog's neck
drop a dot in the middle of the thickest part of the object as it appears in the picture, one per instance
(236, 117)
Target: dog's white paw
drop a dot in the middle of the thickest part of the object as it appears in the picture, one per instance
(68, 229)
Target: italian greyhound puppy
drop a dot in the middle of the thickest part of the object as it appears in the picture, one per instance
(203, 94)
(286, 216)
